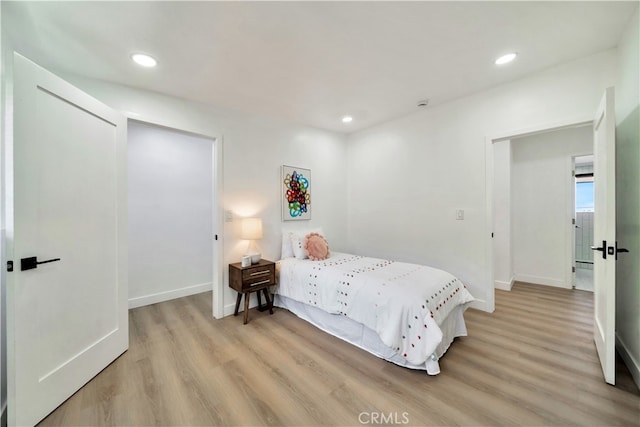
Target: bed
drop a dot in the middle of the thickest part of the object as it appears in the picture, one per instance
(405, 313)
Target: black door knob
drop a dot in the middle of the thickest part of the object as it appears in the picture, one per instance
(602, 249)
(32, 262)
(620, 250)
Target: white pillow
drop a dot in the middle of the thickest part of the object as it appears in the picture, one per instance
(297, 243)
(287, 249)
(293, 243)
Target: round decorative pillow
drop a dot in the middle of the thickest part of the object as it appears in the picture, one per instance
(316, 247)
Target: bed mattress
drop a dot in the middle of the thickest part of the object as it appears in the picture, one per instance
(405, 313)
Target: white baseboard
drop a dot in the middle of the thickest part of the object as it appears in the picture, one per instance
(539, 280)
(502, 285)
(481, 305)
(169, 295)
(629, 360)
(230, 308)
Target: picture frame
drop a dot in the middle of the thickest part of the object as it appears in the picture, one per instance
(295, 184)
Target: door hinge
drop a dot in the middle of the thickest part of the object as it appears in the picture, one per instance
(492, 235)
(9, 266)
(216, 237)
(573, 269)
(573, 221)
(573, 173)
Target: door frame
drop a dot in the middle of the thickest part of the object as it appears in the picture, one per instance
(218, 214)
(578, 121)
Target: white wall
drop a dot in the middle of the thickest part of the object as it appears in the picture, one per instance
(170, 193)
(502, 260)
(628, 197)
(542, 204)
(254, 149)
(408, 176)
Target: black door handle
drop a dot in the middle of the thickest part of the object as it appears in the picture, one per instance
(32, 262)
(620, 250)
(602, 249)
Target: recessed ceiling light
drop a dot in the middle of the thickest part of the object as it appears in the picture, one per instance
(144, 60)
(505, 59)
(347, 119)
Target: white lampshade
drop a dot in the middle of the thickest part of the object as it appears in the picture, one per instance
(251, 229)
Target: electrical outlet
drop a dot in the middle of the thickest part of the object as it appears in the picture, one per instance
(459, 214)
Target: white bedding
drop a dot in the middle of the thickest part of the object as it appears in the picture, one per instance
(361, 336)
(403, 303)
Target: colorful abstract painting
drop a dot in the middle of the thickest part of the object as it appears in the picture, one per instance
(296, 193)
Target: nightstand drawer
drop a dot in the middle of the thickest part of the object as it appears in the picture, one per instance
(258, 276)
(257, 272)
(248, 285)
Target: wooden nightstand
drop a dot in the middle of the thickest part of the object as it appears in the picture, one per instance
(255, 278)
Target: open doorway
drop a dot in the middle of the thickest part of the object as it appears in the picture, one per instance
(584, 213)
(172, 213)
(533, 205)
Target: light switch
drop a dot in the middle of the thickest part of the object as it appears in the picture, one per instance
(459, 214)
(228, 216)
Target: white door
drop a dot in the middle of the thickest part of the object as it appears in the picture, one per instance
(66, 319)
(604, 264)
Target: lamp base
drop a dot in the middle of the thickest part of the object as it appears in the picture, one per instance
(253, 252)
(255, 257)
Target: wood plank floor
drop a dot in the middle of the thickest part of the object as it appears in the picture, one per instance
(531, 362)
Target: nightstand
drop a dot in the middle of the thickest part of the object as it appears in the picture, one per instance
(255, 278)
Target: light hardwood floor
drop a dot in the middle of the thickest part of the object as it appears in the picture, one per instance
(531, 362)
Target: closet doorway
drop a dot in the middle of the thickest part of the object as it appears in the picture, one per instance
(172, 237)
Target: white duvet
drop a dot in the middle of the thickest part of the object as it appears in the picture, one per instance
(404, 303)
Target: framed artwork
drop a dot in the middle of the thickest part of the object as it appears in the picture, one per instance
(296, 193)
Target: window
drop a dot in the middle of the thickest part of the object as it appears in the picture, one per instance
(584, 193)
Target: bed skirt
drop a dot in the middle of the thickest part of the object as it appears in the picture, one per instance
(367, 339)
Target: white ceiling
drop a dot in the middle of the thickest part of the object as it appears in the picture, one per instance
(313, 62)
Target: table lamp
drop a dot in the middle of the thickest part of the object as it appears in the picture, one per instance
(251, 230)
